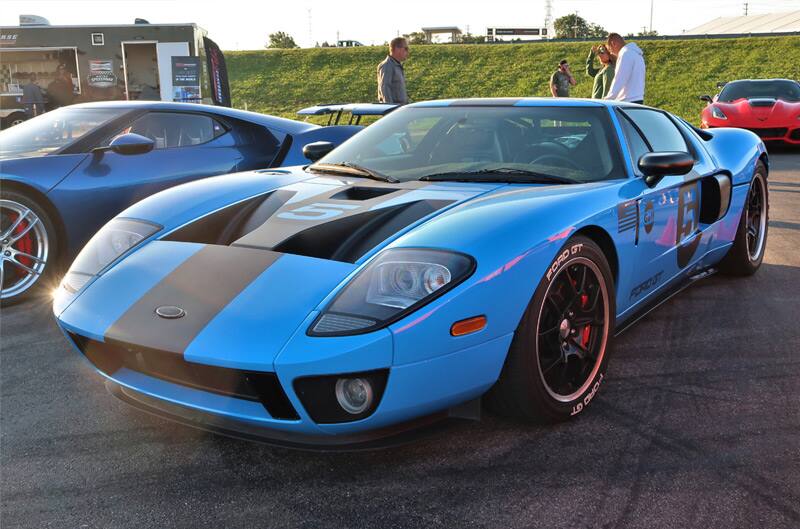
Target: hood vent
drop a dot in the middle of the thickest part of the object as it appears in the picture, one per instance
(363, 193)
(341, 226)
(762, 102)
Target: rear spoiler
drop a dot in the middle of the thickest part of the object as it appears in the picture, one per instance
(356, 111)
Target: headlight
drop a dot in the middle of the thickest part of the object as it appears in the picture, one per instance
(113, 240)
(398, 282)
(718, 113)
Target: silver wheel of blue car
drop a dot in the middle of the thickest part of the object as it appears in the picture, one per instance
(24, 245)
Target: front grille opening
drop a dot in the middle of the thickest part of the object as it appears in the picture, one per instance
(771, 133)
(254, 386)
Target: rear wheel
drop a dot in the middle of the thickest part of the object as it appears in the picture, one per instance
(27, 246)
(558, 357)
(14, 119)
(749, 246)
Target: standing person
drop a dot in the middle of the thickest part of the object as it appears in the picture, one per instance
(391, 76)
(32, 97)
(628, 83)
(605, 75)
(60, 90)
(561, 80)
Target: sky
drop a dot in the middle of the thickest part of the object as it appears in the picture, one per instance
(242, 25)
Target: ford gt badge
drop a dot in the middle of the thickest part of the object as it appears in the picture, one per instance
(170, 312)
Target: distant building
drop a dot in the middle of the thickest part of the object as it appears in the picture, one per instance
(769, 23)
(347, 43)
(454, 32)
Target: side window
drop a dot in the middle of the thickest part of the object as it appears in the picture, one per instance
(171, 129)
(660, 131)
(636, 143)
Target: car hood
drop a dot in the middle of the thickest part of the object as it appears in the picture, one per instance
(756, 111)
(245, 277)
(43, 172)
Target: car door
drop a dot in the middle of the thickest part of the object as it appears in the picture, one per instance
(187, 146)
(666, 217)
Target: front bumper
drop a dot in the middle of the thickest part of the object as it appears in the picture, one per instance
(787, 134)
(224, 400)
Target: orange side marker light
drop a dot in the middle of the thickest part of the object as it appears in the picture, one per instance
(468, 326)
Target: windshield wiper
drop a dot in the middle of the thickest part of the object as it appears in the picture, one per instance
(359, 170)
(500, 174)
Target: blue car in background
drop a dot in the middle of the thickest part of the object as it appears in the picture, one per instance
(453, 251)
(66, 173)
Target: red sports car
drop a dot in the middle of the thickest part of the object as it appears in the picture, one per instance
(768, 107)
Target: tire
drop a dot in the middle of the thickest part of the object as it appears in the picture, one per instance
(750, 242)
(529, 387)
(28, 248)
(14, 118)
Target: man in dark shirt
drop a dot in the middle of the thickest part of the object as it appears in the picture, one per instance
(391, 76)
(60, 90)
(562, 80)
(32, 97)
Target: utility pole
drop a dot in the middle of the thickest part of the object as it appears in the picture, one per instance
(548, 16)
(575, 27)
(651, 16)
(310, 34)
(745, 8)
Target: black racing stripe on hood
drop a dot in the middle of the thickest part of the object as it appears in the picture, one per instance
(202, 286)
(334, 205)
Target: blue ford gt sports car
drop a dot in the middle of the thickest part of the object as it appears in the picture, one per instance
(66, 173)
(454, 250)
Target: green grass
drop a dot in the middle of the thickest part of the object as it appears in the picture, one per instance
(280, 82)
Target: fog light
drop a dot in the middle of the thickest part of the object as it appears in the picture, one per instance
(354, 394)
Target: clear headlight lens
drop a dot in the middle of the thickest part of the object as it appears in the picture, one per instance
(718, 113)
(113, 240)
(398, 282)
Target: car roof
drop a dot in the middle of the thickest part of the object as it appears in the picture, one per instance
(521, 102)
(288, 126)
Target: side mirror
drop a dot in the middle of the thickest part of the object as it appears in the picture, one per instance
(656, 165)
(129, 143)
(318, 149)
(707, 99)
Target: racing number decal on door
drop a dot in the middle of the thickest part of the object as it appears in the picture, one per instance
(316, 211)
(688, 222)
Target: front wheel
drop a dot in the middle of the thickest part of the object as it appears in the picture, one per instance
(750, 244)
(27, 246)
(558, 357)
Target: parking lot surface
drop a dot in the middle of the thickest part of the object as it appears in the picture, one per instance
(697, 425)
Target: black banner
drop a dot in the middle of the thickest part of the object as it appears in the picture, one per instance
(218, 74)
(186, 79)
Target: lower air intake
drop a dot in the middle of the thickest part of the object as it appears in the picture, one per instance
(256, 386)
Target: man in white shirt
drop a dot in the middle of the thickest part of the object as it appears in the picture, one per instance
(628, 84)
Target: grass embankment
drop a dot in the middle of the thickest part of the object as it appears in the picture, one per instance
(280, 82)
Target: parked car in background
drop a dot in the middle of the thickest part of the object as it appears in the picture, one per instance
(452, 250)
(67, 172)
(768, 107)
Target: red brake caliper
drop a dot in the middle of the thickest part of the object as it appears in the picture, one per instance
(587, 330)
(25, 244)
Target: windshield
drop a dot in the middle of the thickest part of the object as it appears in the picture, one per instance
(505, 143)
(52, 131)
(779, 89)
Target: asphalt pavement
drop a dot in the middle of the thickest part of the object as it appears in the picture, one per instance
(697, 425)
